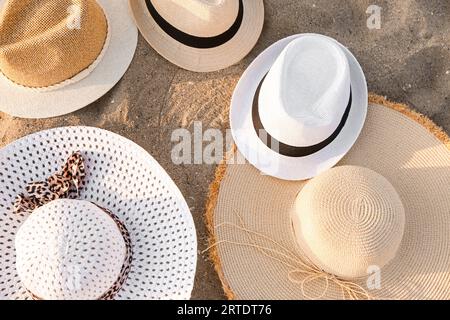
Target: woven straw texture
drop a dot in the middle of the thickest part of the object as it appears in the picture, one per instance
(347, 219)
(69, 250)
(38, 45)
(88, 85)
(121, 177)
(194, 59)
(201, 18)
(45, 42)
(396, 142)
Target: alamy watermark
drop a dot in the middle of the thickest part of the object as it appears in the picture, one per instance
(74, 17)
(59, 246)
(374, 278)
(210, 147)
(374, 19)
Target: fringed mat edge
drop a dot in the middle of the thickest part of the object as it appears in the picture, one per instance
(220, 173)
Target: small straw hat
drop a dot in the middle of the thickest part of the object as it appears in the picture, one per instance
(376, 226)
(105, 224)
(347, 219)
(69, 50)
(299, 107)
(200, 35)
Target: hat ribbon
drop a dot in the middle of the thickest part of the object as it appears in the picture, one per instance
(194, 41)
(67, 184)
(288, 150)
(64, 184)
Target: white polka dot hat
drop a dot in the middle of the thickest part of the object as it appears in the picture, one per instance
(87, 214)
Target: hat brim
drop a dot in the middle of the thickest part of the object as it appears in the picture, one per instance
(407, 149)
(121, 177)
(271, 162)
(202, 60)
(28, 103)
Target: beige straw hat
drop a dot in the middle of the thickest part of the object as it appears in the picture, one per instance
(83, 219)
(376, 226)
(70, 51)
(200, 35)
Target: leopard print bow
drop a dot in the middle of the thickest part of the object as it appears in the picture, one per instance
(64, 184)
(67, 184)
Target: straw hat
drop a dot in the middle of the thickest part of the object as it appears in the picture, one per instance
(299, 107)
(376, 226)
(70, 50)
(61, 252)
(200, 35)
(104, 224)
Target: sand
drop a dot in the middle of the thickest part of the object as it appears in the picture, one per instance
(407, 60)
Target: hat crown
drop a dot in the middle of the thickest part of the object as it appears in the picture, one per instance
(306, 92)
(348, 219)
(201, 18)
(44, 43)
(69, 249)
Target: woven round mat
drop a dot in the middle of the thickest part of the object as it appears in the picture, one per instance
(402, 145)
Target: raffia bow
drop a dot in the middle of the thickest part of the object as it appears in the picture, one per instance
(301, 271)
(63, 184)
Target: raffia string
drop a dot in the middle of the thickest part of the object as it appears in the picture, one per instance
(296, 264)
(214, 189)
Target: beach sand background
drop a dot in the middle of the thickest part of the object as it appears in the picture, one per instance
(407, 60)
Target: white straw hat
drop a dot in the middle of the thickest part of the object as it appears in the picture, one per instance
(299, 107)
(63, 56)
(376, 226)
(200, 35)
(110, 224)
(70, 250)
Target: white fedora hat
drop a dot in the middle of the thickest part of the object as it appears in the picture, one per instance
(63, 56)
(200, 35)
(109, 223)
(299, 107)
